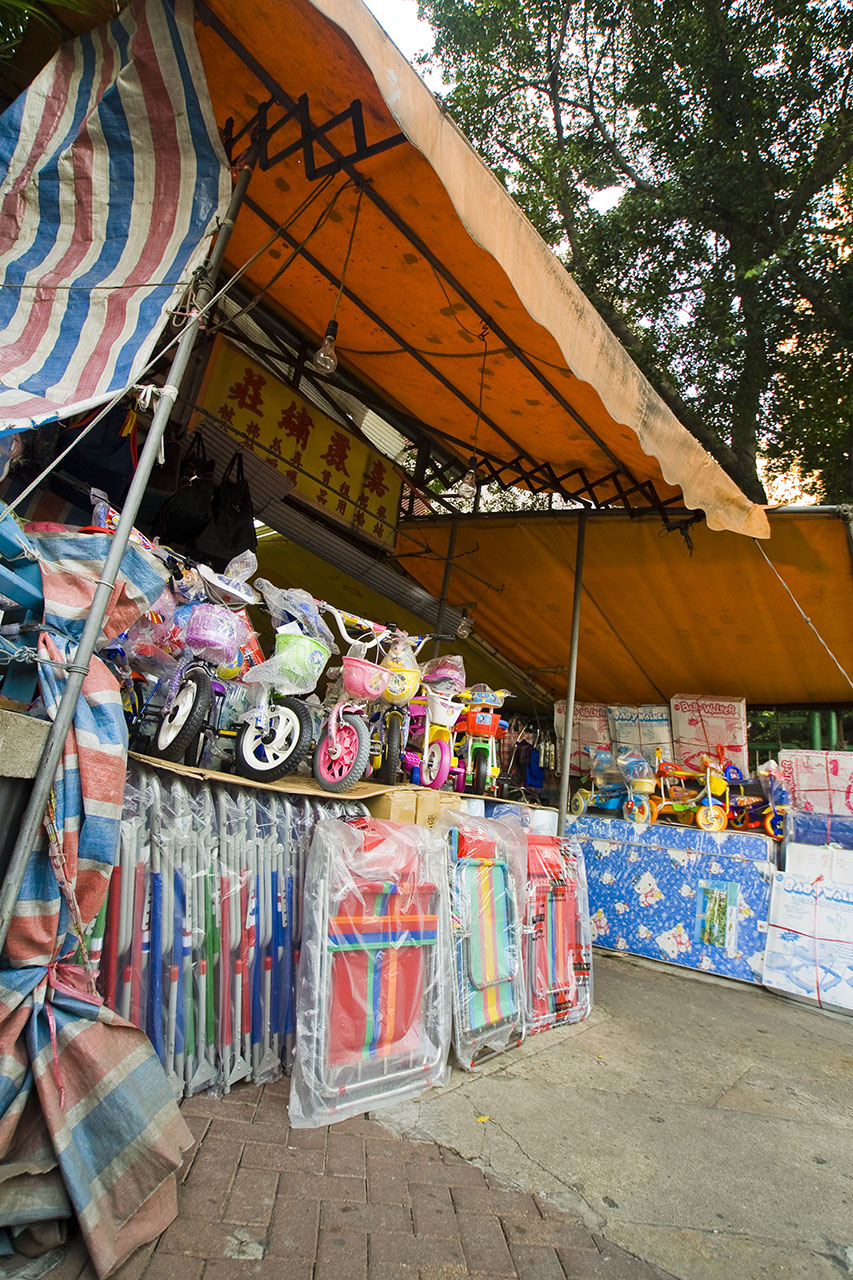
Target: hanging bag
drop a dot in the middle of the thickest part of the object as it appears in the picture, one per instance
(185, 515)
(231, 527)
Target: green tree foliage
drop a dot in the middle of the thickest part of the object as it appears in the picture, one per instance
(16, 16)
(725, 266)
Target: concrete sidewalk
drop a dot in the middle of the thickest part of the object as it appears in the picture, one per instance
(351, 1202)
(704, 1125)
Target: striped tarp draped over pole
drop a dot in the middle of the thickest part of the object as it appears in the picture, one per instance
(89, 1127)
(112, 176)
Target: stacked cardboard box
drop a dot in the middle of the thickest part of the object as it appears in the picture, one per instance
(647, 728)
(819, 781)
(703, 724)
(590, 732)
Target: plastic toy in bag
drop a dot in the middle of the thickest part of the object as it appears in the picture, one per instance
(445, 675)
(373, 992)
(293, 605)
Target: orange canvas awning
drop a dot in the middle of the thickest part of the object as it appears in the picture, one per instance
(444, 266)
(655, 620)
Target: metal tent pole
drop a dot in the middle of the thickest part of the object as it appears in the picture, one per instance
(573, 671)
(28, 833)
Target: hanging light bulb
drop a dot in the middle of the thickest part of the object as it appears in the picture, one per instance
(325, 357)
(468, 483)
(466, 626)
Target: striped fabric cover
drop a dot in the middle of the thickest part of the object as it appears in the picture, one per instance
(491, 967)
(552, 935)
(377, 938)
(112, 176)
(88, 1124)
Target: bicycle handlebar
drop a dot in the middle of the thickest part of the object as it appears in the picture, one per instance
(381, 632)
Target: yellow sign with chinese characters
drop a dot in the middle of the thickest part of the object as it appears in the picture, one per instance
(329, 468)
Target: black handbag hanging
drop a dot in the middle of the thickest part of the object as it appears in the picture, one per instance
(231, 527)
(186, 514)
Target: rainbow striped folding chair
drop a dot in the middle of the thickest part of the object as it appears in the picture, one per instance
(373, 996)
(488, 1011)
(556, 945)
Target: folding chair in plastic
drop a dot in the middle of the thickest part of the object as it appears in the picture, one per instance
(488, 1008)
(557, 942)
(373, 999)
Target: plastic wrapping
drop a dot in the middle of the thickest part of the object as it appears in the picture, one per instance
(445, 675)
(197, 937)
(487, 871)
(293, 605)
(373, 994)
(296, 665)
(819, 828)
(557, 934)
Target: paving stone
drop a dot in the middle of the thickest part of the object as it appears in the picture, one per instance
(207, 1188)
(75, 1258)
(341, 1253)
(534, 1263)
(384, 1157)
(267, 1155)
(484, 1244)
(580, 1264)
(432, 1210)
(167, 1266)
(309, 1186)
(387, 1187)
(305, 1139)
(528, 1230)
(266, 1269)
(442, 1273)
(278, 1088)
(244, 1131)
(199, 1239)
(136, 1265)
(293, 1230)
(345, 1154)
(395, 1249)
(366, 1217)
(622, 1262)
(482, 1200)
(252, 1197)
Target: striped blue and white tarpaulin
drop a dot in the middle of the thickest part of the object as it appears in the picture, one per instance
(112, 178)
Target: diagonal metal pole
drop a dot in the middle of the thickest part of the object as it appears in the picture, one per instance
(572, 680)
(78, 669)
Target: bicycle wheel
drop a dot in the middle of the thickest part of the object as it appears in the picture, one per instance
(267, 752)
(435, 766)
(187, 716)
(480, 773)
(390, 766)
(342, 771)
(711, 817)
(578, 806)
(637, 811)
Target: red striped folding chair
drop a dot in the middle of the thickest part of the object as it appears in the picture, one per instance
(556, 947)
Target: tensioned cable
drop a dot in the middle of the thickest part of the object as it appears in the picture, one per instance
(802, 612)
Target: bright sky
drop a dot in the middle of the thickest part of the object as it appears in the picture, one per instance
(400, 20)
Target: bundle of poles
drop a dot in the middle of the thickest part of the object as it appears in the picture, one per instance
(198, 939)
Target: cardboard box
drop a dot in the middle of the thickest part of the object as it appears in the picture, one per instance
(810, 941)
(702, 723)
(819, 781)
(646, 727)
(810, 861)
(590, 728)
(397, 804)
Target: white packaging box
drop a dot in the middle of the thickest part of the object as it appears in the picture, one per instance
(589, 729)
(701, 723)
(819, 781)
(812, 860)
(809, 950)
(646, 727)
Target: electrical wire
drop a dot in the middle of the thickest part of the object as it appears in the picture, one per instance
(802, 613)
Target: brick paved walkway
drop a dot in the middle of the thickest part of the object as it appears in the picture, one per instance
(350, 1202)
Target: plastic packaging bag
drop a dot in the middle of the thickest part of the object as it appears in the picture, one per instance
(445, 675)
(373, 993)
(293, 605)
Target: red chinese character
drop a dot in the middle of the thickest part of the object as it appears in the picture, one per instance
(291, 476)
(322, 496)
(375, 482)
(275, 445)
(358, 518)
(379, 529)
(270, 460)
(342, 506)
(297, 424)
(338, 451)
(380, 513)
(344, 488)
(326, 477)
(253, 430)
(296, 458)
(226, 412)
(248, 392)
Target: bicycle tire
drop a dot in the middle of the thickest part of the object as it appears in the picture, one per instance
(189, 711)
(392, 750)
(348, 778)
(250, 749)
(480, 773)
